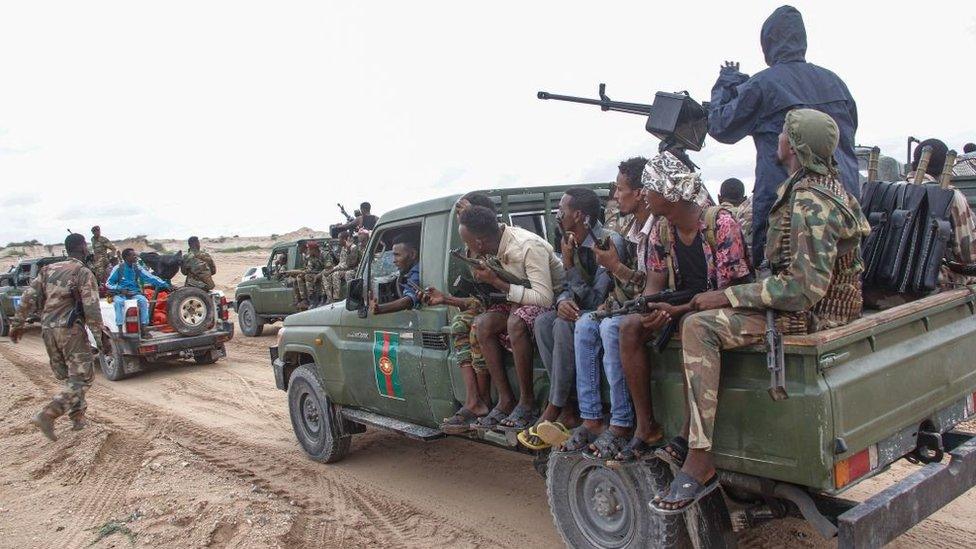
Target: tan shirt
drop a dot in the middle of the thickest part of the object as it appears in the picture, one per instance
(526, 255)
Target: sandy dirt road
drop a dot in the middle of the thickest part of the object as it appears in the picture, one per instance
(204, 456)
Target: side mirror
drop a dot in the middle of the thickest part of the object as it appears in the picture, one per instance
(265, 272)
(354, 295)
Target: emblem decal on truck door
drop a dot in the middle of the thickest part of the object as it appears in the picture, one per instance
(385, 346)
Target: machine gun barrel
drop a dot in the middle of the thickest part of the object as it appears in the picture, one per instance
(604, 102)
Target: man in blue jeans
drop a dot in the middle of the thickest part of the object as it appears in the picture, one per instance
(126, 282)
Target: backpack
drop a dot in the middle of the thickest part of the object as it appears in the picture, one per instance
(664, 236)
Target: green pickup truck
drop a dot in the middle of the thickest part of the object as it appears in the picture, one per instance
(12, 284)
(270, 298)
(892, 385)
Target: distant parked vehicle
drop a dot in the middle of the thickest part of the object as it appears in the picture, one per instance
(251, 273)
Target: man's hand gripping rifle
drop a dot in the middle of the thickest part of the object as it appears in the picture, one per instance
(641, 305)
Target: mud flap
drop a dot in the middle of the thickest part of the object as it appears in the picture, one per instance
(709, 525)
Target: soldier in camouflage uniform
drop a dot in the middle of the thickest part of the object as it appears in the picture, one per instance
(104, 252)
(345, 269)
(279, 266)
(311, 279)
(616, 221)
(66, 294)
(198, 266)
(813, 252)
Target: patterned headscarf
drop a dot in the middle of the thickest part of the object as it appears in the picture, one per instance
(668, 176)
(813, 136)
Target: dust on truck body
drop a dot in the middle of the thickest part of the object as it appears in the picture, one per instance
(892, 385)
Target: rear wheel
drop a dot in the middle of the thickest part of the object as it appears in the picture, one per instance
(251, 324)
(113, 361)
(314, 418)
(190, 311)
(597, 507)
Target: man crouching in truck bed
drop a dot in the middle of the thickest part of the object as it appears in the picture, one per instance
(813, 251)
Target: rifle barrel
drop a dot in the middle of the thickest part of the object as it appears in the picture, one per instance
(606, 105)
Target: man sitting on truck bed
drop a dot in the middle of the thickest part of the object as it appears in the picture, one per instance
(691, 249)
(406, 258)
(584, 290)
(198, 266)
(512, 253)
(814, 254)
(126, 282)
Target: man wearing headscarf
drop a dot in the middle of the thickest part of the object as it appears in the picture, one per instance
(690, 247)
(813, 250)
(742, 106)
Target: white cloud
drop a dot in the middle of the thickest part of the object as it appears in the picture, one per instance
(252, 117)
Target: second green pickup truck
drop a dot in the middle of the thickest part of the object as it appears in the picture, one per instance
(891, 385)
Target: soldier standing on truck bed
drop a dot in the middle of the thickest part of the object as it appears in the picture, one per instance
(104, 252)
(66, 293)
(349, 255)
(814, 254)
(311, 279)
(198, 266)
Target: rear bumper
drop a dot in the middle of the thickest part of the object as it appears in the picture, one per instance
(894, 510)
(164, 347)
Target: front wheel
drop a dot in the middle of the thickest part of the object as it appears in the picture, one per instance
(594, 506)
(251, 324)
(314, 419)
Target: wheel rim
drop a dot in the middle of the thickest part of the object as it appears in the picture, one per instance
(193, 311)
(311, 415)
(602, 505)
(245, 316)
(111, 364)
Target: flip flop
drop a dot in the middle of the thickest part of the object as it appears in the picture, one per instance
(519, 420)
(459, 423)
(553, 432)
(531, 440)
(579, 441)
(686, 491)
(673, 453)
(489, 421)
(635, 451)
(607, 445)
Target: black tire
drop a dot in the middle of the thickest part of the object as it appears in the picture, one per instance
(209, 357)
(540, 462)
(594, 506)
(113, 363)
(190, 311)
(251, 324)
(4, 325)
(313, 418)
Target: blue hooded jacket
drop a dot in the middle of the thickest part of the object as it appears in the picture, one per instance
(742, 106)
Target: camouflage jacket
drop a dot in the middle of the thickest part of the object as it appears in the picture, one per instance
(813, 250)
(60, 292)
(101, 246)
(349, 258)
(315, 264)
(615, 221)
(199, 269)
(743, 214)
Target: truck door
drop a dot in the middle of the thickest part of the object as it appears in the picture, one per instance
(381, 355)
(273, 295)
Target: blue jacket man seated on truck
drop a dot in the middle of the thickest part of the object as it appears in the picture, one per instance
(126, 282)
(406, 258)
(814, 255)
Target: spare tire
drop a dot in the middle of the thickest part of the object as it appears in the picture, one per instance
(190, 311)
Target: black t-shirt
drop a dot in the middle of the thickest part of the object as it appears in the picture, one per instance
(692, 270)
(369, 222)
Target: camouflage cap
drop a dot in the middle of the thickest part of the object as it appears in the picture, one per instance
(671, 178)
(813, 137)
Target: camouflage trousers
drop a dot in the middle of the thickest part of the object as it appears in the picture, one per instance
(464, 338)
(102, 268)
(71, 362)
(337, 283)
(307, 285)
(703, 336)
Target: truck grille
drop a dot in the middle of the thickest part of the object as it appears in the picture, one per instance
(434, 341)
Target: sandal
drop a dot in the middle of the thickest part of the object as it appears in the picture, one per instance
(520, 419)
(553, 432)
(489, 421)
(605, 447)
(459, 423)
(579, 441)
(673, 453)
(531, 440)
(684, 491)
(635, 450)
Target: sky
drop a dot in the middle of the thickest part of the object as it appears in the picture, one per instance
(243, 117)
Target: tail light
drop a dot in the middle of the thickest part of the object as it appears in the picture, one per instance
(132, 320)
(856, 466)
(224, 311)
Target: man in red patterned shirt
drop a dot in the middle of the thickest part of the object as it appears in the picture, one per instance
(690, 247)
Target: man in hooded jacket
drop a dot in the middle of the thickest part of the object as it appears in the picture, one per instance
(742, 106)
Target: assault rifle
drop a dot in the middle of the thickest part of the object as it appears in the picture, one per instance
(679, 121)
(492, 264)
(342, 209)
(639, 306)
(775, 359)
